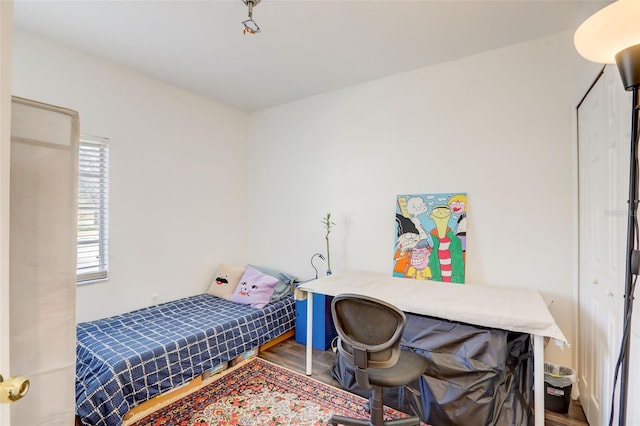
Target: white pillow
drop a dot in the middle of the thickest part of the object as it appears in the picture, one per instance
(226, 281)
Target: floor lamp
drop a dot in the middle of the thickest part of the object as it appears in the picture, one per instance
(612, 35)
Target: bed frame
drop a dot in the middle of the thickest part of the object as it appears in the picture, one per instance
(148, 407)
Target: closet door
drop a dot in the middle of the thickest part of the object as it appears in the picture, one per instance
(603, 151)
(42, 249)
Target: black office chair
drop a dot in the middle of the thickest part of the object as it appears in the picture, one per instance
(369, 332)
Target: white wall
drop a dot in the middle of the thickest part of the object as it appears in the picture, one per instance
(178, 174)
(497, 125)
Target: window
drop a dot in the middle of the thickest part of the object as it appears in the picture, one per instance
(93, 217)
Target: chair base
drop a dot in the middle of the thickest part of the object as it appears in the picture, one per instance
(375, 407)
(348, 421)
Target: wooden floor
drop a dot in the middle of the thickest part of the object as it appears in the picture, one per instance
(292, 355)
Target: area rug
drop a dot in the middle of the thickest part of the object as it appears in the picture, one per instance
(260, 393)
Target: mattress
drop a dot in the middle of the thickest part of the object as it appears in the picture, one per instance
(124, 360)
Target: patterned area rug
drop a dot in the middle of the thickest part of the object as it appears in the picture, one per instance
(261, 393)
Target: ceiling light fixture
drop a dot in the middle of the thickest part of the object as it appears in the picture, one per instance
(250, 26)
(612, 35)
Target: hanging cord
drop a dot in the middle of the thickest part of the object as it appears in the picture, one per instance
(626, 333)
(626, 325)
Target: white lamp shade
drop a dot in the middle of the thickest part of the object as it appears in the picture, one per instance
(608, 31)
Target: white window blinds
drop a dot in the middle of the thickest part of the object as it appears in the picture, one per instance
(93, 215)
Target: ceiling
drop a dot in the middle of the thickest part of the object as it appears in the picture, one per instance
(306, 47)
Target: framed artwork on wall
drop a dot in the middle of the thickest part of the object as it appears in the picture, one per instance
(431, 237)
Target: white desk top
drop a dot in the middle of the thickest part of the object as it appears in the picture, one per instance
(513, 309)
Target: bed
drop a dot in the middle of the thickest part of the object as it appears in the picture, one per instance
(125, 360)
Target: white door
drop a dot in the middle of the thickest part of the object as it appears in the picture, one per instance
(42, 266)
(603, 150)
(6, 29)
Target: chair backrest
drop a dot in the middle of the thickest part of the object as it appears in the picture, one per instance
(369, 332)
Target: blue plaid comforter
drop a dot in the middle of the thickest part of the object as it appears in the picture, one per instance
(127, 359)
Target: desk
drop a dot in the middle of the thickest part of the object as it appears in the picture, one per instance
(513, 309)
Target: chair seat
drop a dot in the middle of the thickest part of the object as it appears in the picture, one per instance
(409, 367)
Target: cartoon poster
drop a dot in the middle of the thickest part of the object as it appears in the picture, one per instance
(431, 236)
